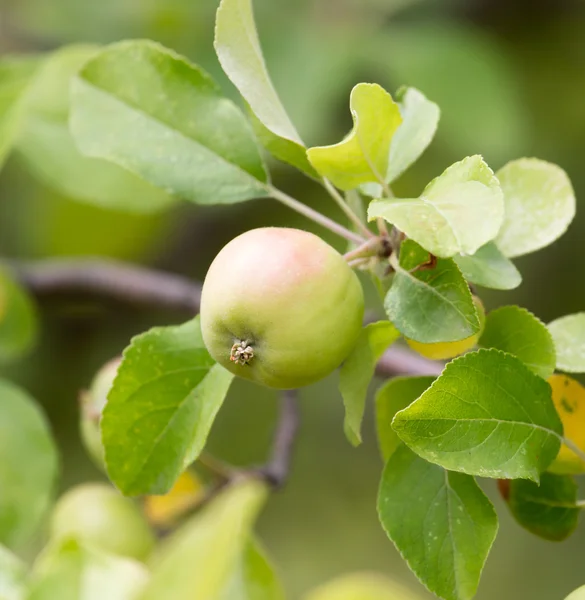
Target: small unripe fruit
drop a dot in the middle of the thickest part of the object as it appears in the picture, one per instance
(93, 402)
(98, 515)
(446, 350)
(280, 307)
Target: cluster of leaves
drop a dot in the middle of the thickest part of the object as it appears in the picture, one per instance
(137, 127)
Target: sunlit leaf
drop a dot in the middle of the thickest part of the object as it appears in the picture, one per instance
(515, 330)
(430, 305)
(458, 212)
(159, 412)
(357, 372)
(568, 334)
(489, 268)
(578, 594)
(13, 576)
(200, 559)
(28, 465)
(185, 138)
(362, 157)
(540, 205)
(487, 415)
(548, 510)
(441, 522)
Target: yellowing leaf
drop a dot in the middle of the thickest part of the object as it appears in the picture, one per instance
(569, 399)
(361, 586)
(362, 157)
(163, 510)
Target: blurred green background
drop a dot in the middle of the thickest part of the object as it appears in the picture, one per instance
(509, 76)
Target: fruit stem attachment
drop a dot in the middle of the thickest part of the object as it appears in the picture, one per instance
(332, 190)
(314, 215)
(369, 248)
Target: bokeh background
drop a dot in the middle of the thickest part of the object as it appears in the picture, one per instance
(509, 76)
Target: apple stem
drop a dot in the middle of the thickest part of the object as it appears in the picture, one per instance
(368, 248)
(314, 215)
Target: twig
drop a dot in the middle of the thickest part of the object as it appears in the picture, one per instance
(369, 248)
(345, 208)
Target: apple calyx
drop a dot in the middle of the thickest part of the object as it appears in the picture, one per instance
(242, 353)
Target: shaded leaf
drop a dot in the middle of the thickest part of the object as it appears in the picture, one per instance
(186, 138)
(489, 268)
(159, 412)
(430, 305)
(488, 415)
(568, 334)
(548, 510)
(361, 157)
(441, 522)
(458, 212)
(357, 372)
(517, 331)
(540, 205)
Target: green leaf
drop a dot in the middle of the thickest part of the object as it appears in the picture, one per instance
(69, 571)
(18, 319)
(200, 559)
(578, 594)
(441, 522)
(568, 334)
(548, 510)
(488, 415)
(458, 212)
(394, 395)
(150, 111)
(430, 305)
(28, 465)
(540, 205)
(361, 157)
(489, 268)
(420, 118)
(13, 575)
(238, 49)
(49, 151)
(518, 332)
(357, 372)
(361, 586)
(16, 73)
(159, 412)
(254, 577)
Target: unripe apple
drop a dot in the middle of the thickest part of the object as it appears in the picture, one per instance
(96, 514)
(280, 307)
(92, 403)
(446, 350)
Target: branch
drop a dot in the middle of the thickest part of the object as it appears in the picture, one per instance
(141, 286)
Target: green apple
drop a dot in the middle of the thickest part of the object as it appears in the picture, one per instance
(96, 514)
(280, 307)
(93, 402)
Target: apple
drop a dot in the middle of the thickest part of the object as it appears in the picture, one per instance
(280, 307)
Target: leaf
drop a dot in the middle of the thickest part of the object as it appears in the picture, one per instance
(69, 571)
(420, 118)
(361, 586)
(255, 577)
(159, 412)
(13, 574)
(458, 212)
(18, 319)
(199, 560)
(150, 111)
(16, 73)
(578, 594)
(362, 157)
(394, 395)
(441, 523)
(540, 205)
(517, 331)
(489, 268)
(487, 415)
(568, 334)
(49, 150)
(357, 372)
(238, 49)
(430, 305)
(28, 465)
(569, 399)
(548, 510)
